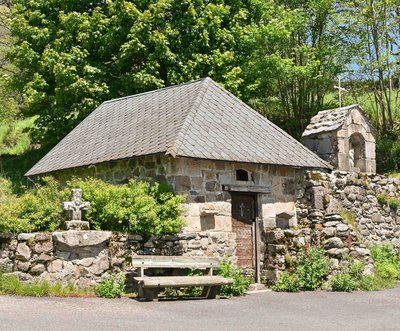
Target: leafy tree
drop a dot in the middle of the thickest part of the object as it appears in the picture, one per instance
(297, 54)
(72, 55)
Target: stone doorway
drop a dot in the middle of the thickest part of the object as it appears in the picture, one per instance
(243, 224)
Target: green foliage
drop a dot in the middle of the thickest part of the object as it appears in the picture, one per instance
(382, 199)
(149, 209)
(37, 210)
(387, 272)
(241, 282)
(309, 274)
(387, 261)
(14, 140)
(388, 151)
(134, 207)
(392, 202)
(344, 282)
(73, 55)
(11, 285)
(349, 279)
(111, 287)
(287, 282)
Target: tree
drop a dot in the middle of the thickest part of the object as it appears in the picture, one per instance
(298, 53)
(72, 55)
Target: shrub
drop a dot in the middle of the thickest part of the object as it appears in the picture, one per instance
(134, 207)
(37, 210)
(387, 261)
(349, 279)
(241, 282)
(149, 209)
(111, 287)
(344, 282)
(310, 272)
(287, 282)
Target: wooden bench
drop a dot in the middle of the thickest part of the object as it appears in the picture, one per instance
(150, 286)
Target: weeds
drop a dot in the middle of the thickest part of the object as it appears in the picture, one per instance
(12, 285)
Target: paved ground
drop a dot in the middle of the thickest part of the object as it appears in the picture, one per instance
(261, 311)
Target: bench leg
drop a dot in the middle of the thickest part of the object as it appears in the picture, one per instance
(148, 294)
(211, 292)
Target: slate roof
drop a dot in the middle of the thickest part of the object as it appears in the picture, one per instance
(331, 120)
(199, 119)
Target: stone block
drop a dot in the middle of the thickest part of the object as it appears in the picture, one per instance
(182, 183)
(193, 224)
(45, 247)
(26, 236)
(334, 242)
(275, 236)
(22, 266)
(223, 223)
(23, 252)
(55, 266)
(38, 269)
(328, 232)
(276, 249)
(100, 265)
(269, 223)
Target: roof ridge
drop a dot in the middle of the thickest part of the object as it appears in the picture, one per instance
(180, 136)
(155, 91)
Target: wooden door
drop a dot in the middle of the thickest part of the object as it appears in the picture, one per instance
(243, 217)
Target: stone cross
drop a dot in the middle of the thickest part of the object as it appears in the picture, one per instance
(76, 206)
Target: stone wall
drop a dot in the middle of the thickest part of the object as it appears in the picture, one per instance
(206, 184)
(86, 257)
(339, 212)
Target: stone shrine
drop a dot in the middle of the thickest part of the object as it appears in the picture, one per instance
(344, 137)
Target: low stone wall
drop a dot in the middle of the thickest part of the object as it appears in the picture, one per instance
(86, 257)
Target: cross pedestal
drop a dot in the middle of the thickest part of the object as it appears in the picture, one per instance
(75, 208)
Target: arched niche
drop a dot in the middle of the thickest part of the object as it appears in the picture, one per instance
(357, 152)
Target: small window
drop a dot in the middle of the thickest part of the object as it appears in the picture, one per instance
(242, 175)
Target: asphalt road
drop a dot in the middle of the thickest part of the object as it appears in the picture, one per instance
(260, 311)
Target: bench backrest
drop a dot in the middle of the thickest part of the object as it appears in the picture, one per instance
(190, 262)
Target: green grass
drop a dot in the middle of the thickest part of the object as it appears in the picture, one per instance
(11, 285)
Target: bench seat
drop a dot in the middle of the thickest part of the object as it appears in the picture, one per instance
(182, 281)
(150, 286)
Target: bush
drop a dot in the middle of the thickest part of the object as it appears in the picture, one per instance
(349, 279)
(136, 207)
(287, 282)
(387, 261)
(387, 271)
(37, 210)
(241, 282)
(111, 287)
(310, 272)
